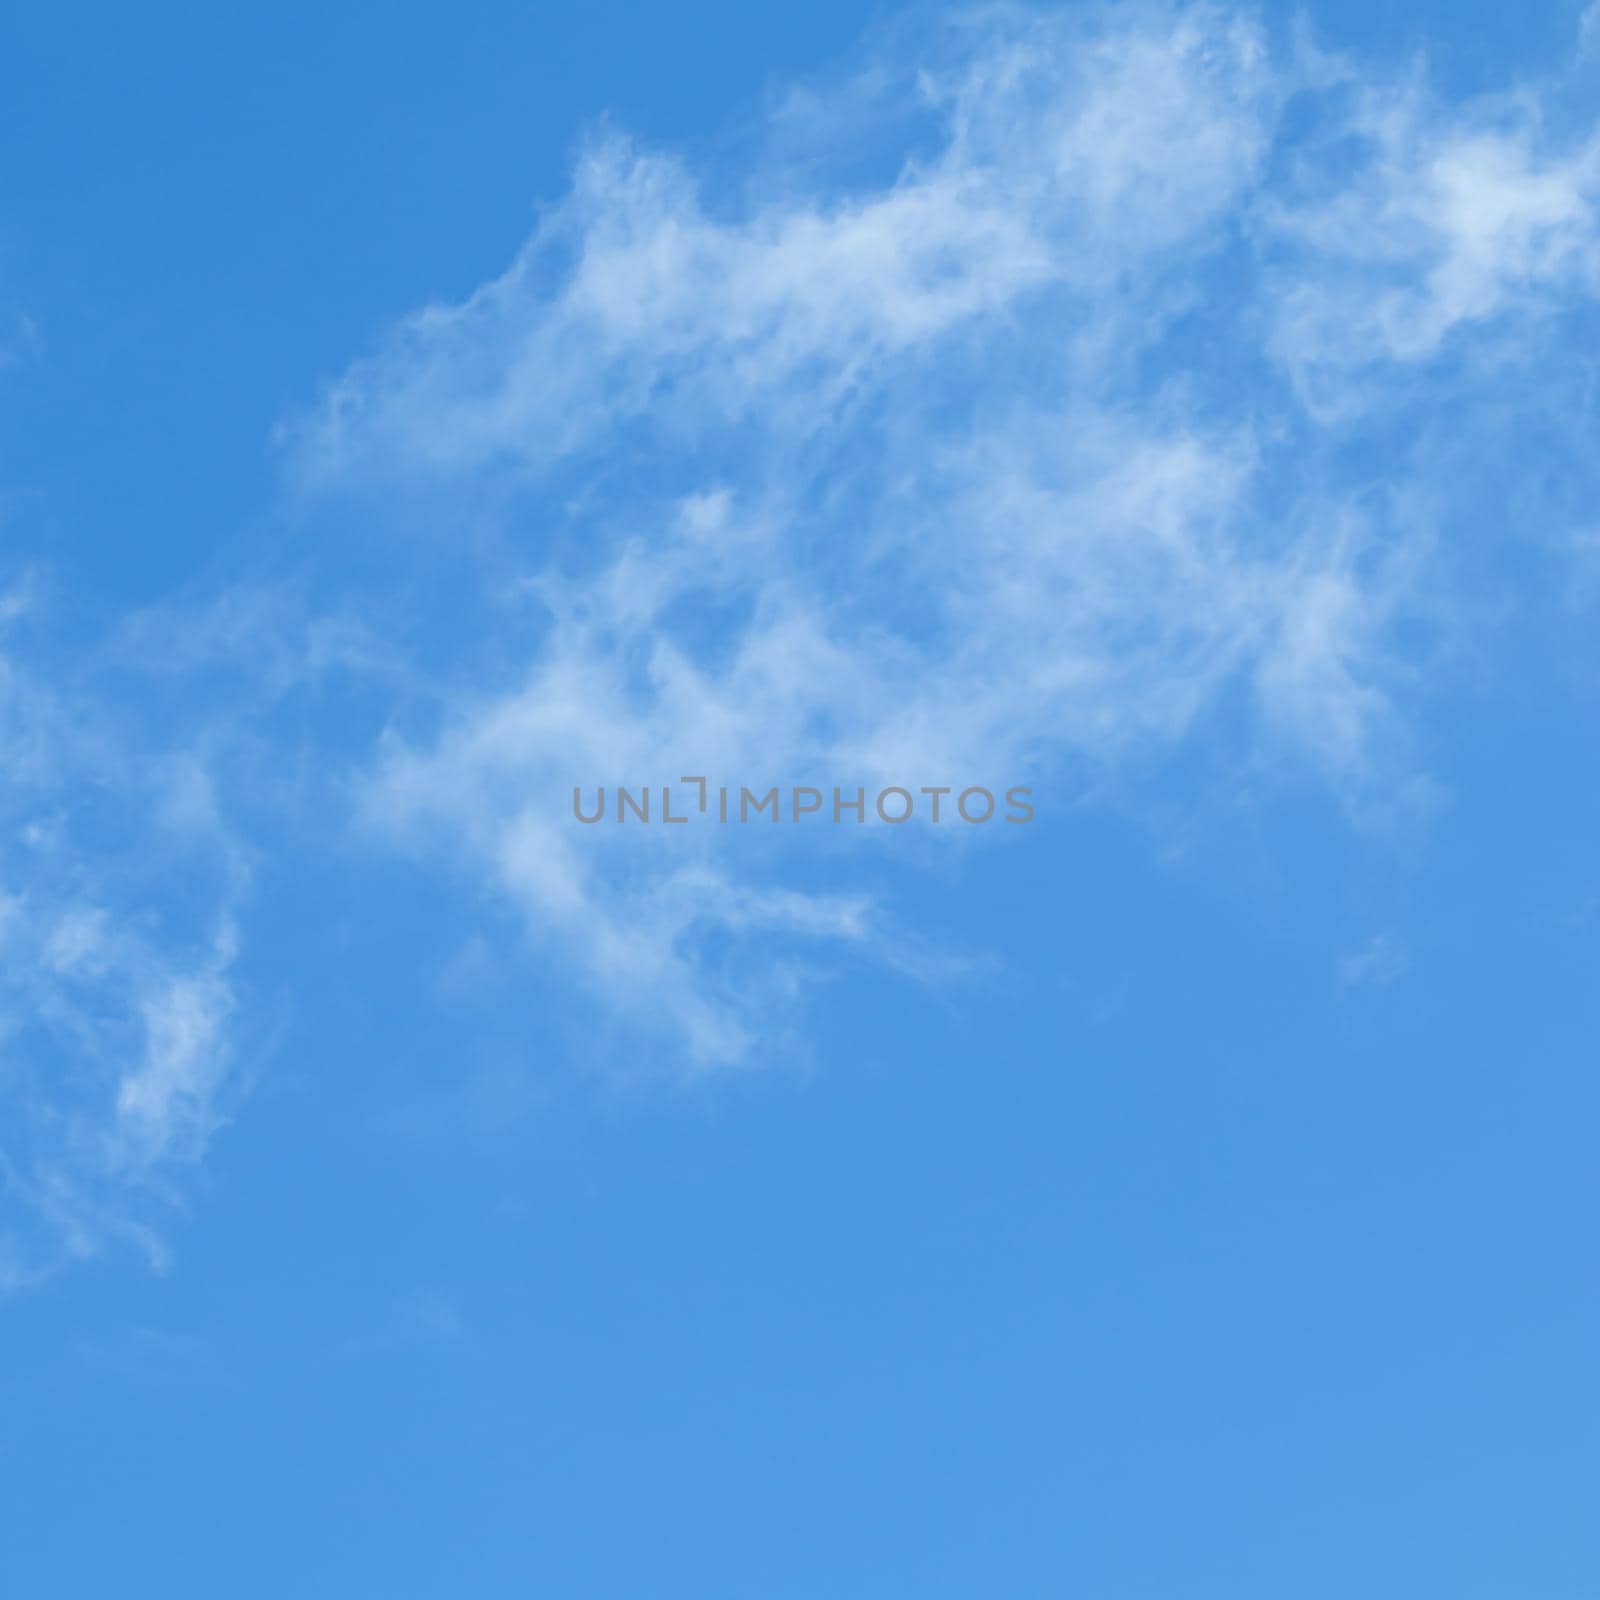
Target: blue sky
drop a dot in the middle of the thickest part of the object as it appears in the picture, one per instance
(410, 414)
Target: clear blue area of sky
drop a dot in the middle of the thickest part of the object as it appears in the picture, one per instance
(1164, 1261)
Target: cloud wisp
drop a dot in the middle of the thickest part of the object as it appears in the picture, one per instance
(1045, 447)
(118, 1054)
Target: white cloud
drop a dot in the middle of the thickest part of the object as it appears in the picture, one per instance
(165, 1097)
(115, 987)
(1010, 464)
(1085, 421)
(1069, 159)
(1413, 222)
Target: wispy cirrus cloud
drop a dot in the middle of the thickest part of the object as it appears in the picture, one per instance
(1055, 392)
(1408, 222)
(117, 996)
(1093, 415)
